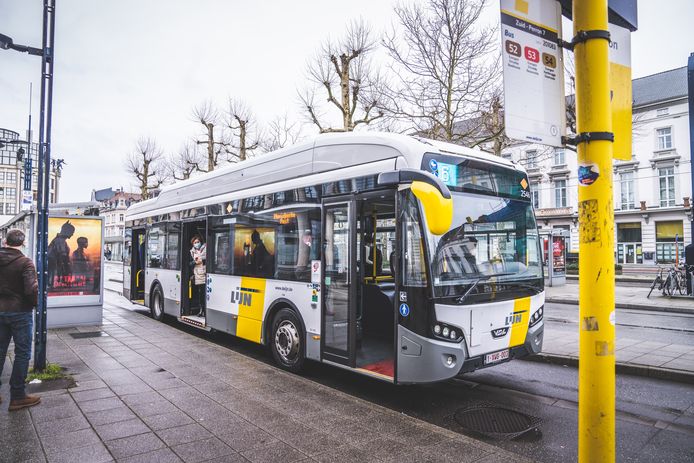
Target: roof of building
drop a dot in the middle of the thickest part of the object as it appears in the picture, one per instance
(103, 195)
(663, 86)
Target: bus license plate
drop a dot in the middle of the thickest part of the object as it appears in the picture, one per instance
(496, 357)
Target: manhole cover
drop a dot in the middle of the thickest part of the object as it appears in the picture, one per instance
(88, 334)
(495, 421)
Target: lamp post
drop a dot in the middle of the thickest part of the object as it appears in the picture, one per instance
(46, 52)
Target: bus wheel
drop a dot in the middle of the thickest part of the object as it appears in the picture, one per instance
(286, 341)
(157, 307)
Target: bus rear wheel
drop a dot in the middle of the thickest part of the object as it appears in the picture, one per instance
(287, 341)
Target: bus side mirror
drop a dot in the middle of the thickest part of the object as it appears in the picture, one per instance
(431, 191)
(437, 209)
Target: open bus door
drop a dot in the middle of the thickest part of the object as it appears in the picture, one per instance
(136, 272)
(192, 302)
(338, 342)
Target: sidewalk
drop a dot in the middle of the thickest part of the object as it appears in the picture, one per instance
(626, 297)
(147, 392)
(633, 356)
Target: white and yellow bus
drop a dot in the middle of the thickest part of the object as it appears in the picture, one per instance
(405, 259)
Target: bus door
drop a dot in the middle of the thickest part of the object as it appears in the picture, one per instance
(338, 338)
(137, 266)
(190, 299)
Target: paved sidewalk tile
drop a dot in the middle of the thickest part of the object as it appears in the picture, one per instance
(151, 393)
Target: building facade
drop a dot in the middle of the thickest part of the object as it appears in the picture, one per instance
(652, 190)
(13, 155)
(112, 206)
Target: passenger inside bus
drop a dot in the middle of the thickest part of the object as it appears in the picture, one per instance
(373, 259)
(198, 261)
(261, 259)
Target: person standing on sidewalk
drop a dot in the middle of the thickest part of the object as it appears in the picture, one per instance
(18, 297)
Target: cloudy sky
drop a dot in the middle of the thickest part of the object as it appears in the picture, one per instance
(132, 68)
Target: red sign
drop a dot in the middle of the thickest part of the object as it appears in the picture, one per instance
(531, 54)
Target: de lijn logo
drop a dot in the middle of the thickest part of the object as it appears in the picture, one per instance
(243, 296)
(404, 310)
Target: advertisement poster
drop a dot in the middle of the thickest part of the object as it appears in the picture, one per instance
(74, 256)
(559, 255)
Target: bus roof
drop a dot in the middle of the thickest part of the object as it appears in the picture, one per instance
(324, 153)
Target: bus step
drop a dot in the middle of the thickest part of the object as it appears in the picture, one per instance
(193, 320)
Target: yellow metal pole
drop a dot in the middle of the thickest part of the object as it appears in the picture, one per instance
(596, 373)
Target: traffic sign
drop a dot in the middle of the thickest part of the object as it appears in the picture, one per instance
(620, 90)
(533, 68)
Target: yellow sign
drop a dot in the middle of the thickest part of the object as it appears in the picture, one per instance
(620, 91)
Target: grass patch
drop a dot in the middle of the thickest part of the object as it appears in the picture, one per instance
(52, 371)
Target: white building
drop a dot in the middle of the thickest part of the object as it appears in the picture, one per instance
(652, 191)
(112, 207)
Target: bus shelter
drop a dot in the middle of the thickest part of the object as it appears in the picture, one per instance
(75, 262)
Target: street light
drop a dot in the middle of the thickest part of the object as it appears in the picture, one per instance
(46, 54)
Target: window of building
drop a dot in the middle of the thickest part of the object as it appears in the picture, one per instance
(626, 181)
(10, 192)
(11, 209)
(666, 179)
(669, 237)
(560, 193)
(664, 138)
(2, 177)
(531, 159)
(10, 177)
(662, 112)
(121, 217)
(535, 195)
(559, 157)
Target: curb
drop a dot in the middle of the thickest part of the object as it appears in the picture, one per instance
(621, 305)
(669, 374)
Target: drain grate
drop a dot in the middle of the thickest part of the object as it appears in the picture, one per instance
(88, 334)
(494, 421)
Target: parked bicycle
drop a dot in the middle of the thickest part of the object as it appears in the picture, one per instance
(671, 281)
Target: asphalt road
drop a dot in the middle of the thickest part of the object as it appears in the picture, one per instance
(655, 418)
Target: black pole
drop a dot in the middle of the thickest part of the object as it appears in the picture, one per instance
(690, 91)
(44, 192)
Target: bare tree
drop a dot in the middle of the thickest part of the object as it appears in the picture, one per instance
(343, 72)
(185, 162)
(280, 133)
(445, 69)
(242, 125)
(146, 164)
(207, 115)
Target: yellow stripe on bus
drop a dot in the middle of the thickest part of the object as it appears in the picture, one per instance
(519, 329)
(250, 322)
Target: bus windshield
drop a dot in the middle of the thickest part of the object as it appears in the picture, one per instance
(492, 239)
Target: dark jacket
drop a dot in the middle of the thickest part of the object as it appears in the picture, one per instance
(18, 286)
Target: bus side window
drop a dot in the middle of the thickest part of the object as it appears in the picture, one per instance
(412, 261)
(156, 246)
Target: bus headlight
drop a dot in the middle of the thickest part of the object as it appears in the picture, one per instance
(536, 317)
(447, 332)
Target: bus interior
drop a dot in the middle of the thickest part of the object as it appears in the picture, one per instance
(190, 300)
(375, 349)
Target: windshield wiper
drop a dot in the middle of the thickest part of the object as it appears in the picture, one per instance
(473, 285)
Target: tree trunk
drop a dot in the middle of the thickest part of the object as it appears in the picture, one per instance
(344, 87)
(210, 147)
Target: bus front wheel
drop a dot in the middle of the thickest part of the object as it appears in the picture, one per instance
(287, 341)
(157, 307)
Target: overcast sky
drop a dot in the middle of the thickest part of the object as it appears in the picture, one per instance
(132, 68)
